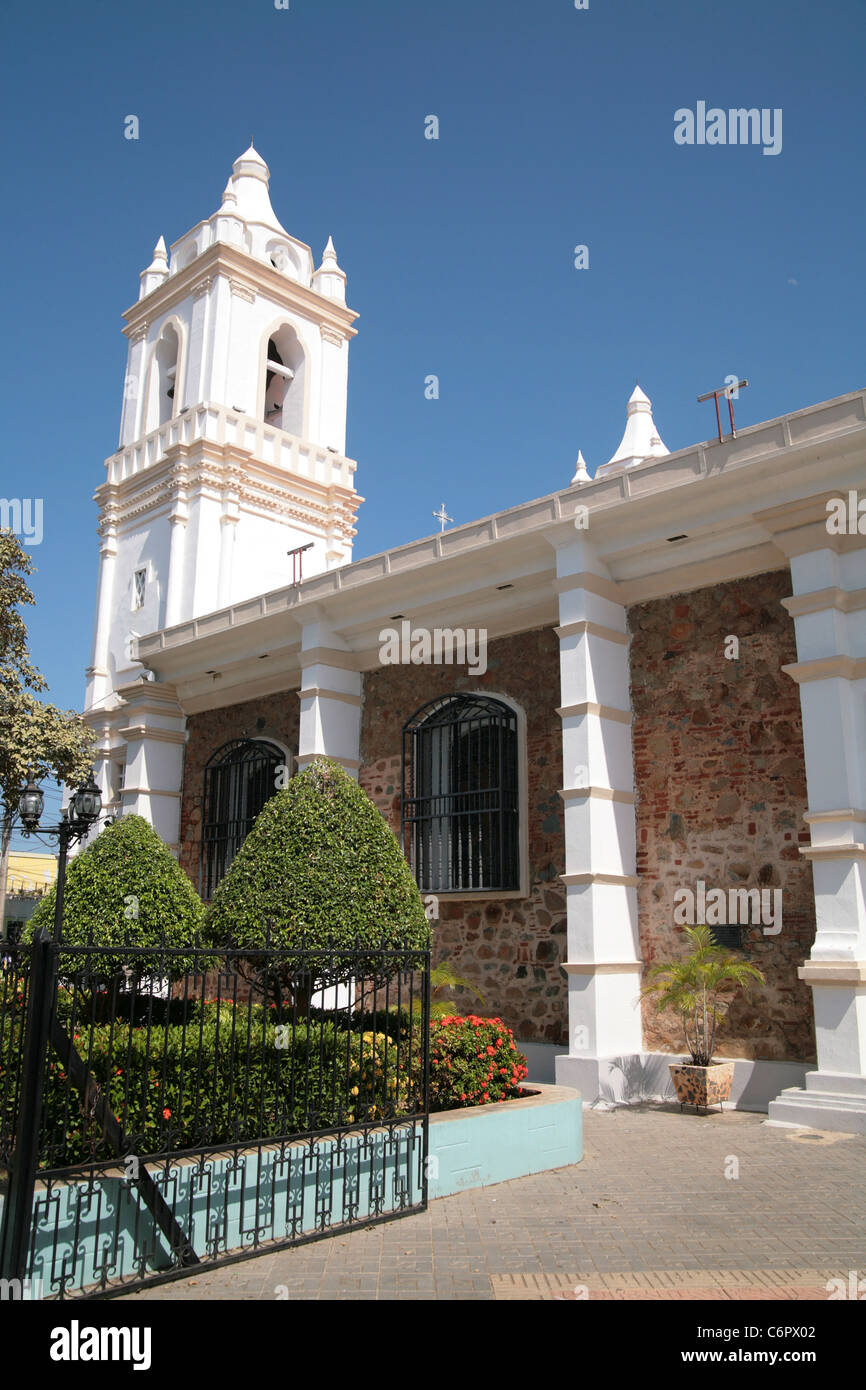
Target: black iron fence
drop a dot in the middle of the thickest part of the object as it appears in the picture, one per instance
(167, 1108)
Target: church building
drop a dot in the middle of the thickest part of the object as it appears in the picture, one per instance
(579, 715)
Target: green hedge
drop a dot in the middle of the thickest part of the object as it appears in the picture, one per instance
(222, 1076)
(206, 1083)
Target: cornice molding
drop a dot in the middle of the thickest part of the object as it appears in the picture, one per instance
(821, 600)
(617, 880)
(250, 274)
(602, 967)
(838, 851)
(322, 693)
(594, 583)
(826, 668)
(833, 972)
(329, 656)
(619, 716)
(599, 793)
(585, 627)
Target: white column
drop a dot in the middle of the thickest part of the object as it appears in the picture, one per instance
(177, 520)
(330, 698)
(603, 961)
(829, 612)
(155, 735)
(98, 673)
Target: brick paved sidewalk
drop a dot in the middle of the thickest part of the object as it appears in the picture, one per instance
(649, 1213)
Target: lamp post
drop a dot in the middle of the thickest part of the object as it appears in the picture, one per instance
(81, 813)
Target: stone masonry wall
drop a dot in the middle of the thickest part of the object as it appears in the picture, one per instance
(721, 785)
(510, 948)
(274, 717)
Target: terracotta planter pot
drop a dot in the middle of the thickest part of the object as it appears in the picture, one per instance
(702, 1086)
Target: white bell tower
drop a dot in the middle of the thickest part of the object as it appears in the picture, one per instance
(233, 430)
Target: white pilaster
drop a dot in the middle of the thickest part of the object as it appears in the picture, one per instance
(330, 696)
(829, 612)
(154, 730)
(99, 673)
(174, 588)
(603, 962)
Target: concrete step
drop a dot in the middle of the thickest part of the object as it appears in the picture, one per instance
(819, 1110)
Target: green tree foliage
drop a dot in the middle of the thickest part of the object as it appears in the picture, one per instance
(699, 987)
(37, 740)
(320, 865)
(126, 889)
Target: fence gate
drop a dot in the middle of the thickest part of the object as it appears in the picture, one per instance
(170, 1109)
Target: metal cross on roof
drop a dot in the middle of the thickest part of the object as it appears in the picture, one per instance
(442, 516)
(730, 390)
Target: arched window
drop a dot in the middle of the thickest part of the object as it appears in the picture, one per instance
(461, 830)
(240, 777)
(284, 382)
(163, 379)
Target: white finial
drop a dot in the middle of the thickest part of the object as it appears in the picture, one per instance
(251, 165)
(442, 517)
(156, 272)
(229, 196)
(329, 279)
(581, 474)
(641, 439)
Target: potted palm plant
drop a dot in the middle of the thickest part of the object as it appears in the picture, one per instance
(699, 987)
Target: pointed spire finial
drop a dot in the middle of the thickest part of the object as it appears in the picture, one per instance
(641, 439)
(581, 471)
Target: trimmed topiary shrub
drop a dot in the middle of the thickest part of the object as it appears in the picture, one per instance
(125, 889)
(473, 1061)
(320, 870)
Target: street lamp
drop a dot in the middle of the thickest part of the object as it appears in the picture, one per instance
(82, 812)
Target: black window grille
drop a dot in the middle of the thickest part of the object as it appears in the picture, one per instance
(728, 935)
(240, 777)
(460, 818)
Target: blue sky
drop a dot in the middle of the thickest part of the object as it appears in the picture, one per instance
(556, 129)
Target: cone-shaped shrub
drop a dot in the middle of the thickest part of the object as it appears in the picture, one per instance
(319, 869)
(125, 889)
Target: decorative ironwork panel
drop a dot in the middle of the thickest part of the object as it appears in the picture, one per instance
(460, 805)
(198, 1108)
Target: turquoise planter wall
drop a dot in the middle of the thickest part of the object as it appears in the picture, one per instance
(80, 1228)
(473, 1148)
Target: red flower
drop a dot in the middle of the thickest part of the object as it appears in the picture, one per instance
(166, 1114)
(491, 1051)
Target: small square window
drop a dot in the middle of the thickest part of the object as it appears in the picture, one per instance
(139, 588)
(729, 936)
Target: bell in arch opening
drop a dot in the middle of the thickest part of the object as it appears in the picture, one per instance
(284, 382)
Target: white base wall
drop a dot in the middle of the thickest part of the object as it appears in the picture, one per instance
(541, 1059)
(645, 1076)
